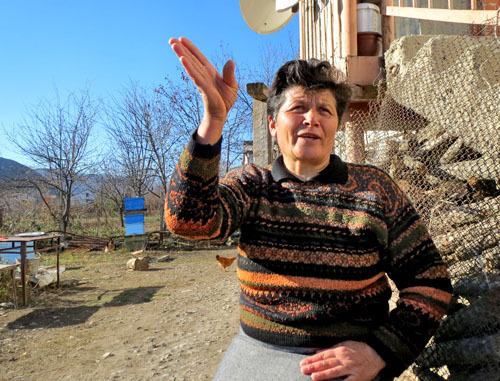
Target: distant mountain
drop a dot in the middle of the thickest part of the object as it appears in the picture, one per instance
(10, 169)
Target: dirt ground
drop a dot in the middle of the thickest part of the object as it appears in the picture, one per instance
(171, 322)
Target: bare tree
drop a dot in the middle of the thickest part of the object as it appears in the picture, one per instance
(112, 185)
(145, 140)
(55, 137)
(271, 57)
(130, 146)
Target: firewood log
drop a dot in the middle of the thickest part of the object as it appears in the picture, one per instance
(453, 152)
(480, 235)
(486, 167)
(454, 216)
(477, 266)
(138, 264)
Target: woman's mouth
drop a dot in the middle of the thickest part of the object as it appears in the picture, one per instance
(308, 137)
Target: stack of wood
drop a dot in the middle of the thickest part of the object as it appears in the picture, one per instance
(443, 97)
(78, 242)
(449, 165)
(452, 81)
(431, 166)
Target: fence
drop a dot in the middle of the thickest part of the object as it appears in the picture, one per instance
(435, 128)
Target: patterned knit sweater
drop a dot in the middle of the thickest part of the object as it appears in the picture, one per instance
(314, 256)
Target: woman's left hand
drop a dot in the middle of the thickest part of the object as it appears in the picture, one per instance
(354, 360)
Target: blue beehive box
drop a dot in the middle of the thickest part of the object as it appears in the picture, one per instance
(134, 215)
(134, 218)
(134, 203)
(131, 229)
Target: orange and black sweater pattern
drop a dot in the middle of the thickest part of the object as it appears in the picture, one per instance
(314, 257)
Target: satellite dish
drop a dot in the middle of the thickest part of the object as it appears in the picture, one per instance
(268, 16)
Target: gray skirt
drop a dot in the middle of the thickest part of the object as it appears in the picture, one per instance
(248, 359)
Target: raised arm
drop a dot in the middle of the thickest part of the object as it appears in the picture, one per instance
(217, 91)
(196, 205)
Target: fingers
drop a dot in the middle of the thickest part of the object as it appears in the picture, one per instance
(218, 92)
(197, 65)
(321, 362)
(319, 356)
(329, 374)
(194, 68)
(356, 360)
(228, 74)
(195, 51)
(185, 48)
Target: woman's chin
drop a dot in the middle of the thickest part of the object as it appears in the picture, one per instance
(311, 156)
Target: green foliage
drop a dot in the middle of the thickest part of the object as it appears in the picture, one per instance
(5, 287)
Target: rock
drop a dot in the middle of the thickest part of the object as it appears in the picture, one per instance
(165, 258)
(69, 282)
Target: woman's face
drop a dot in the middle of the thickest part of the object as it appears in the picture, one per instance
(305, 126)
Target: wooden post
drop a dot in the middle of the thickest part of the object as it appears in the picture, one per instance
(349, 24)
(262, 142)
(14, 291)
(23, 269)
(302, 29)
(387, 26)
(355, 143)
(57, 256)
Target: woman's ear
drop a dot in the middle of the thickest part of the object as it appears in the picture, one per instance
(272, 127)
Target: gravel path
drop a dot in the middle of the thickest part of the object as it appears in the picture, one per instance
(172, 322)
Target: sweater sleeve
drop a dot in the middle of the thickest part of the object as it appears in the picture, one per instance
(415, 265)
(197, 206)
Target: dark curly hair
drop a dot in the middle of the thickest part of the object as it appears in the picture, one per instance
(311, 74)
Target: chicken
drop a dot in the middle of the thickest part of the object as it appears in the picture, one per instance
(110, 246)
(224, 262)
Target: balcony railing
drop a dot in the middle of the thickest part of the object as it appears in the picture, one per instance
(450, 14)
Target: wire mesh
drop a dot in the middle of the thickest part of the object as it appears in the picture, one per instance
(435, 128)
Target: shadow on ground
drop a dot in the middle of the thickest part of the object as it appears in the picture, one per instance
(57, 317)
(53, 317)
(133, 296)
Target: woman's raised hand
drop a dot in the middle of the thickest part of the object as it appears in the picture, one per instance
(218, 92)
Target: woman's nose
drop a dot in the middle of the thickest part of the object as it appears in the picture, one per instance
(311, 117)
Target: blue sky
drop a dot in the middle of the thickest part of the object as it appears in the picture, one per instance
(50, 45)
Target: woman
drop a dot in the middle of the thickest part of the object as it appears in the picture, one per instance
(318, 237)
